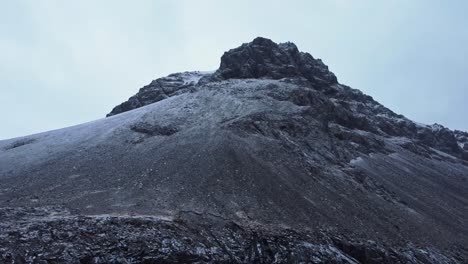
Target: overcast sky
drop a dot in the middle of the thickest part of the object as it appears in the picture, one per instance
(67, 62)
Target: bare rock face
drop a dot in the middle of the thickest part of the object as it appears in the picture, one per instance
(160, 89)
(262, 58)
(266, 160)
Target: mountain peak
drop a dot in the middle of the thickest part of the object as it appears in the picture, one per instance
(260, 59)
(263, 41)
(263, 58)
(283, 166)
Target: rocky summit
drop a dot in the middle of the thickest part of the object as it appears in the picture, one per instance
(268, 159)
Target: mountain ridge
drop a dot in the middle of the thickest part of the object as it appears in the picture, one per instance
(262, 58)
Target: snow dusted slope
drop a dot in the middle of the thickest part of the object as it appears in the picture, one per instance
(270, 142)
(160, 89)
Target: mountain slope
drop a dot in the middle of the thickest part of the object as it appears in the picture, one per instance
(269, 141)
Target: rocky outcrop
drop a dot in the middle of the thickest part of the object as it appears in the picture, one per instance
(262, 58)
(160, 89)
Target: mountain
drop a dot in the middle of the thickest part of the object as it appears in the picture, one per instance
(268, 159)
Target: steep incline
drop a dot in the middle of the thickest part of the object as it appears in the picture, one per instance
(270, 140)
(160, 89)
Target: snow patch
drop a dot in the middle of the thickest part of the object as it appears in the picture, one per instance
(394, 119)
(421, 125)
(193, 77)
(443, 154)
(399, 140)
(436, 127)
(356, 161)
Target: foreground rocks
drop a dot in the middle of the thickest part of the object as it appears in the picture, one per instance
(54, 235)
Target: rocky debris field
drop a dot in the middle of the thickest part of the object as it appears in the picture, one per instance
(54, 235)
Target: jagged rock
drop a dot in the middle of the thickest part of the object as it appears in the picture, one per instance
(153, 129)
(439, 137)
(160, 89)
(19, 143)
(262, 58)
(52, 235)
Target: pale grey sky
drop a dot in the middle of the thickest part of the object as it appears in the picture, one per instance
(67, 62)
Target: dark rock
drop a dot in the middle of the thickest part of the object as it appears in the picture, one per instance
(439, 137)
(160, 89)
(19, 143)
(153, 129)
(127, 239)
(464, 155)
(262, 58)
